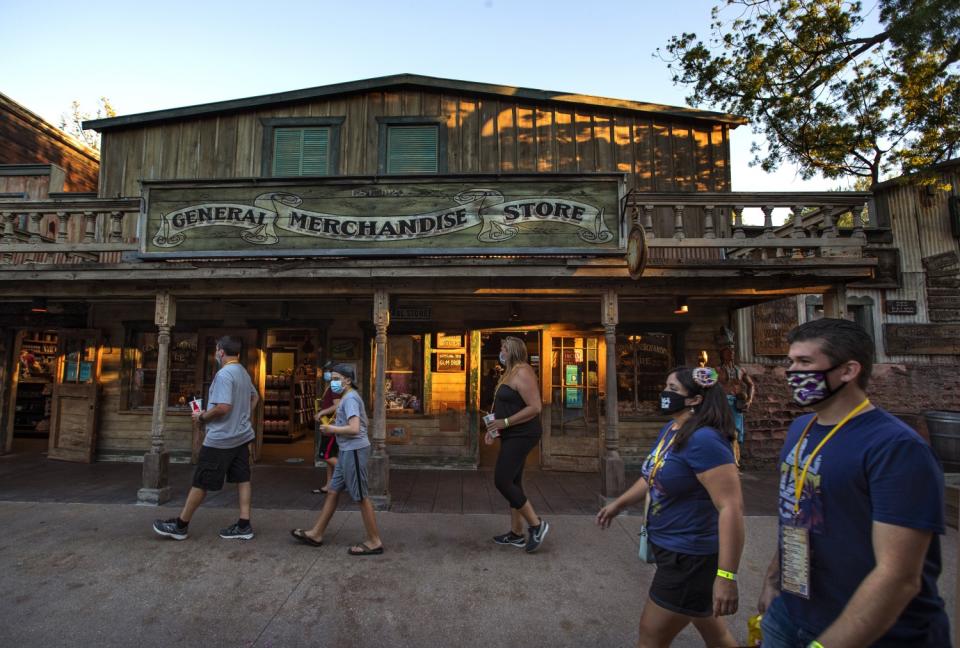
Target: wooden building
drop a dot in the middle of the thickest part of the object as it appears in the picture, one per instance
(404, 224)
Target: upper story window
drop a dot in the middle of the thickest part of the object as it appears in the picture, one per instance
(411, 145)
(301, 146)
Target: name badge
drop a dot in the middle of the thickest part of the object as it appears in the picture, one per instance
(795, 560)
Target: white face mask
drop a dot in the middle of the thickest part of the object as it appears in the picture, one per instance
(503, 358)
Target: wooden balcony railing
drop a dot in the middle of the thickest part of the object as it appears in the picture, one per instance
(76, 230)
(710, 225)
(678, 227)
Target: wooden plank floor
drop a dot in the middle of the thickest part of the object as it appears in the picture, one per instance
(33, 478)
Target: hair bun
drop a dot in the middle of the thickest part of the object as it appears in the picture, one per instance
(705, 376)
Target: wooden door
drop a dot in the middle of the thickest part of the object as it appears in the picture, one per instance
(73, 428)
(74, 407)
(571, 387)
(207, 367)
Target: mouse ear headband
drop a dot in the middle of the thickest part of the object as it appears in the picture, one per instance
(705, 377)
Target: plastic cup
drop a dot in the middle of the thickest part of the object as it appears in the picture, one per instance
(488, 419)
(196, 405)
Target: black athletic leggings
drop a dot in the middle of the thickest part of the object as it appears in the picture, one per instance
(508, 474)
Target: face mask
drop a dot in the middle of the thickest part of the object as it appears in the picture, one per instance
(336, 386)
(811, 387)
(219, 358)
(326, 376)
(503, 358)
(671, 402)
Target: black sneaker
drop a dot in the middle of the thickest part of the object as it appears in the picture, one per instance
(511, 538)
(236, 532)
(170, 529)
(537, 534)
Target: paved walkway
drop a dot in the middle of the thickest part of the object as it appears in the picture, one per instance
(33, 478)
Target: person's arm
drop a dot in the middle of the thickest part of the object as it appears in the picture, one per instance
(530, 392)
(254, 398)
(329, 410)
(771, 583)
(885, 592)
(219, 410)
(352, 428)
(632, 495)
(751, 388)
(723, 485)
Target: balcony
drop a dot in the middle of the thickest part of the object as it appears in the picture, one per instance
(686, 234)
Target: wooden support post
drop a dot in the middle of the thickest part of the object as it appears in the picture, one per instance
(33, 223)
(738, 232)
(7, 238)
(154, 489)
(835, 302)
(648, 221)
(89, 227)
(61, 227)
(858, 222)
(116, 227)
(708, 231)
(798, 231)
(678, 232)
(612, 478)
(378, 468)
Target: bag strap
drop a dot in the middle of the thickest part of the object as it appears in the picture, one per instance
(646, 508)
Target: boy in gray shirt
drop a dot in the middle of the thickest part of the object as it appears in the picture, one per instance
(226, 447)
(350, 474)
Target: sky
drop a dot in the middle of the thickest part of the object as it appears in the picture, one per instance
(150, 56)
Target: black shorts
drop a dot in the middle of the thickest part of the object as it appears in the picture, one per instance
(684, 582)
(328, 447)
(216, 463)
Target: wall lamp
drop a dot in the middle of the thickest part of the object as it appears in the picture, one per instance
(38, 305)
(682, 308)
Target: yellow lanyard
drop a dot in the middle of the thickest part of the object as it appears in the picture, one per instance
(798, 481)
(657, 461)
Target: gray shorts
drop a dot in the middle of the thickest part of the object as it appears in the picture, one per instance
(351, 473)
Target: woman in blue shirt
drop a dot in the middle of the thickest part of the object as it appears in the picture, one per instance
(695, 518)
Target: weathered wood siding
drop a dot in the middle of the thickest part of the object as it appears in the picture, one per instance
(484, 135)
(27, 139)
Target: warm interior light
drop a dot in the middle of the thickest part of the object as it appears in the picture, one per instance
(682, 307)
(39, 305)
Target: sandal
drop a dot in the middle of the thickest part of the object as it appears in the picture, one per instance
(302, 536)
(320, 491)
(363, 550)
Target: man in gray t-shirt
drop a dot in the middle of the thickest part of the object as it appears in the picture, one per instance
(226, 448)
(350, 473)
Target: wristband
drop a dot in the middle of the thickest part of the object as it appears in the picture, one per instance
(731, 576)
(506, 422)
(815, 644)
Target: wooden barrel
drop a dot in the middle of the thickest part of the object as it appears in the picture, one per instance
(944, 430)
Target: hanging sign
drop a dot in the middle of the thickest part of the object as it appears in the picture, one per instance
(543, 215)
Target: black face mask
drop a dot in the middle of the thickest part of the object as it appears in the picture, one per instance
(671, 402)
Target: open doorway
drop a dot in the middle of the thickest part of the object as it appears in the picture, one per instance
(490, 372)
(35, 370)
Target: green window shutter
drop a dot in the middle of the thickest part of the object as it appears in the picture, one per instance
(301, 151)
(412, 149)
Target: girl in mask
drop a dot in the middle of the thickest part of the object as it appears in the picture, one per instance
(327, 448)
(694, 520)
(516, 421)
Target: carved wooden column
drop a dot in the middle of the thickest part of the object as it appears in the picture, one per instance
(612, 479)
(378, 468)
(155, 489)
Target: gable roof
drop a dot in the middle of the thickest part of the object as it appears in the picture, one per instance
(412, 81)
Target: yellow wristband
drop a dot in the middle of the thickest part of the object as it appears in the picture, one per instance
(728, 575)
(506, 422)
(815, 644)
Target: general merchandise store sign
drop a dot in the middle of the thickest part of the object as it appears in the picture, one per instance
(461, 216)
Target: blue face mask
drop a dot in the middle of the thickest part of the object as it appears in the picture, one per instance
(503, 358)
(326, 376)
(336, 386)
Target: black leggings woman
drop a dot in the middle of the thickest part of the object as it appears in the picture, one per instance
(516, 420)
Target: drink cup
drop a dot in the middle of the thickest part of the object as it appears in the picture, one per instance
(488, 419)
(196, 405)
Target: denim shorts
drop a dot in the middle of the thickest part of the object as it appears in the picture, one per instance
(779, 630)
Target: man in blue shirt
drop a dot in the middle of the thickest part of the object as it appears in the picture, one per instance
(226, 446)
(861, 510)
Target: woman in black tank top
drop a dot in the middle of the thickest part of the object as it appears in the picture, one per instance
(516, 420)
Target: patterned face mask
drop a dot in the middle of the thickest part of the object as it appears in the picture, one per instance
(811, 387)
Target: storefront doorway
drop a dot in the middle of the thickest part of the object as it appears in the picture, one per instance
(571, 438)
(490, 372)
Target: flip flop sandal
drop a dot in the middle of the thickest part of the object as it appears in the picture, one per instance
(365, 550)
(320, 491)
(302, 536)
